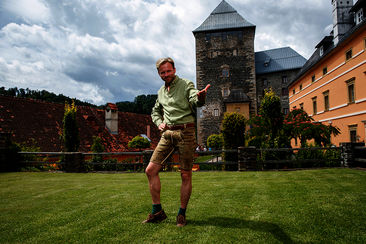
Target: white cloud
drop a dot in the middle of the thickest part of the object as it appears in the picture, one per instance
(105, 51)
(29, 10)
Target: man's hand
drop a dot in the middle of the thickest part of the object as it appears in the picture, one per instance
(201, 95)
(162, 126)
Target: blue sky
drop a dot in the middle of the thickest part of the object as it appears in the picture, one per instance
(105, 51)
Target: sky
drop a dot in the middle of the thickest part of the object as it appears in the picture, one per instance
(105, 51)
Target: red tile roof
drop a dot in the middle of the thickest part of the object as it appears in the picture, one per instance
(31, 120)
(112, 106)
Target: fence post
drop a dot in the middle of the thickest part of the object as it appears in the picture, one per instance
(146, 155)
(348, 152)
(74, 162)
(247, 158)
(9, 157)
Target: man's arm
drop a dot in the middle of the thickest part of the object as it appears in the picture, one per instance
(157, 114)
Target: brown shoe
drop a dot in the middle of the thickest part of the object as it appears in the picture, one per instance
(155, 218)
(181, 220)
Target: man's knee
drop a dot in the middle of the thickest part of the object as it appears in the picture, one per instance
(186, 175)
(152, 169)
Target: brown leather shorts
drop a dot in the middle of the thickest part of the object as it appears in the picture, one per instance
(183, 140)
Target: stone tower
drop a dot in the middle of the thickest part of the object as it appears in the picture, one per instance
(225, 59)
(342, 19)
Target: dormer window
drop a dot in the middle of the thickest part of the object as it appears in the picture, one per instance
(321, 50)
(266, 62)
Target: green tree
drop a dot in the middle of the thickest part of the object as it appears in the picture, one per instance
(266, 128)
(233, 131)
(139, 142)
(215, 141)
(142, 104)
(272, 117)
(97, 147)
(70, 131)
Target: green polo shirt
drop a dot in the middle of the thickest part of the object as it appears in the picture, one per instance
(175, 106)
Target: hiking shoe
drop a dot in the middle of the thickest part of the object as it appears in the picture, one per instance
(181, 220)
(155, 218)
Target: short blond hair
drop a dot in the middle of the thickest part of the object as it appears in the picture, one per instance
(163, 61)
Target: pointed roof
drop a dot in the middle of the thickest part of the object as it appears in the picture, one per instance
(224, 16)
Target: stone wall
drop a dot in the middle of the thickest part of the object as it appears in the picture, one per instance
(275, 81)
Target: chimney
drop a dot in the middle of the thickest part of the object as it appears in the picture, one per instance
(111, 118)
(342, 18)
(148, 131)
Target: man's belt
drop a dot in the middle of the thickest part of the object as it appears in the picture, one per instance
(180, 127)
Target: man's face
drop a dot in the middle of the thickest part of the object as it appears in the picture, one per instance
(167, 72)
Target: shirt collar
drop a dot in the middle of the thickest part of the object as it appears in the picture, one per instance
(172, 84)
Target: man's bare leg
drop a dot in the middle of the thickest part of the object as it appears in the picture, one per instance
(152, 172)
(185, 194)
(186, 188)
(157, 214)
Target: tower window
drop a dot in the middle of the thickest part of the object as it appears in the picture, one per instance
(225, 71)
(208, 37)
(216, 112)
(359, 16)
(325, 70)
(284, 92)
(225, 92)
(313, 78)
(284, 80)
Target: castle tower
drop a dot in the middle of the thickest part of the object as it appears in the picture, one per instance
(224, 58)
(342, 18)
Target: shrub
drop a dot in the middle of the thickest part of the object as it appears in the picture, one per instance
(139, 142)
(97, 147)
(215, 141)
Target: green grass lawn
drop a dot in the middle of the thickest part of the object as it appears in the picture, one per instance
(307, 206)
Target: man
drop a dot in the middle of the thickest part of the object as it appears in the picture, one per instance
(173, 113)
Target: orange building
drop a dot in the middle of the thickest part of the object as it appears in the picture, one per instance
(331, 86)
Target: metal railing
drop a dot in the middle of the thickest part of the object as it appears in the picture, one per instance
(261, 159)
